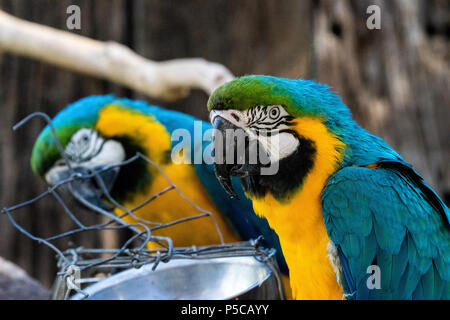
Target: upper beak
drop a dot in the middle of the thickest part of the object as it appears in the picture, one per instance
(223, 170)
(87, 191)
(230, 156)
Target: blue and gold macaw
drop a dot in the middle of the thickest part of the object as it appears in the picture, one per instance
(100, 131)
(354, 219)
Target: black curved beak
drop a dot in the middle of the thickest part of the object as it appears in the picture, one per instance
(222, 169)
(88, 189)
(232, 147)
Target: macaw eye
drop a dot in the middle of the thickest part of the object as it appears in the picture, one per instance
(60, 163)
(274, 113)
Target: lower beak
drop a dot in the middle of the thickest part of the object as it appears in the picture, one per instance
(86, 191)
(230, 156)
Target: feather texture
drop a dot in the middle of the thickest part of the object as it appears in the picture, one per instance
(405, 234)
(85, 113)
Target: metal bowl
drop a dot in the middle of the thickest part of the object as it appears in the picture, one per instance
(180, 279)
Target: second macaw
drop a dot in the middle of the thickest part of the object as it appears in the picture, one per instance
(98, 131)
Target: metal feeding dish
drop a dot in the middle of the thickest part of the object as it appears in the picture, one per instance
(182, 279)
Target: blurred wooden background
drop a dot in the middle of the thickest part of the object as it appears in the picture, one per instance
(395, 80)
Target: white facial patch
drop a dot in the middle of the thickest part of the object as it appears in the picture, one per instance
(268, 124)
(88, 149)
(279, 145)
(84, 144)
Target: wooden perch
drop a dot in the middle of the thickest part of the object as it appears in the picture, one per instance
(168, 80)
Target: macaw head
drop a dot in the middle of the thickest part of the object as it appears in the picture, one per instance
(96, 133)
(293, 126)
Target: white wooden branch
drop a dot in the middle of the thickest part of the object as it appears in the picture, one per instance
(168, 80)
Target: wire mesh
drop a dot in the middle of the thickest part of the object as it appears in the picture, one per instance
(80, 266)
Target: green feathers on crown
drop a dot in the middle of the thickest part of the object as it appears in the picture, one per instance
(299, 97)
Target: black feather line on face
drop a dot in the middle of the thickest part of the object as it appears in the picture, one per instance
(89, 157)
(257, 114)
(134, 177)
(260, 116)
(291, 174)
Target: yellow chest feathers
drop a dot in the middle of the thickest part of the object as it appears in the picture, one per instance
(299, 221)
(154, 139)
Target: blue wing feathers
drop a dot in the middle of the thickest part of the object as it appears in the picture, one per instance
(389, 217)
